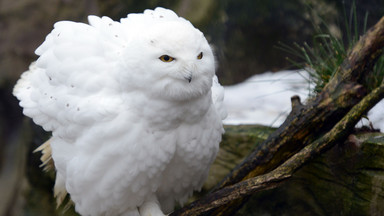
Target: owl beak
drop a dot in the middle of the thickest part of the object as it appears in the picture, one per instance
(189, 78)
(188, 74)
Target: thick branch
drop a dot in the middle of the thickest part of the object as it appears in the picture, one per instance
(321, 113)
(284, 171)
(304, 125)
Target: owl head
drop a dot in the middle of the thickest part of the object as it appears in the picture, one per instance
(168, 57)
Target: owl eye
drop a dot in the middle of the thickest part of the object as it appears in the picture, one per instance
(166, 58)
(200, 56)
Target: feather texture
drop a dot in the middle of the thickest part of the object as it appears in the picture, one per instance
(129, 131)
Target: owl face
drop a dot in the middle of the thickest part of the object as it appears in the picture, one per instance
(176, 61)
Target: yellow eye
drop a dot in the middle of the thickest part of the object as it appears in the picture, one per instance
(200, 56)
(166, 58)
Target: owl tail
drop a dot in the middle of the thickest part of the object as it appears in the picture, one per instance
(46, 156)
(59, 191)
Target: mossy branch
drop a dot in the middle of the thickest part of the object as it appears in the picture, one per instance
(286, 170)
(330, 115)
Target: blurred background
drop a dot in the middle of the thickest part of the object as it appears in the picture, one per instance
(245, 34)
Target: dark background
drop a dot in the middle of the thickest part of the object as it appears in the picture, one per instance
(244, 33)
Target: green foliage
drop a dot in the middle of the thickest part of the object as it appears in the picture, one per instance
(328, 50)
(378, 74)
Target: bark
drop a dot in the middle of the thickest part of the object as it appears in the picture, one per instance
(301, 131)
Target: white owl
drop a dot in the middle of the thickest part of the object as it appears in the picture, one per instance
(134, 107)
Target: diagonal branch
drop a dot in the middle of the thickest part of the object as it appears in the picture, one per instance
(302, 127)
(306, 123)
(286, 170)
(322, 112)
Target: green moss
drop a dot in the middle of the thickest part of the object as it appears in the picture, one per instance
(346, 180)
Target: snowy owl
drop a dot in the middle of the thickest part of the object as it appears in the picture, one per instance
(134, 107)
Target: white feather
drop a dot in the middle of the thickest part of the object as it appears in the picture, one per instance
(129, 130)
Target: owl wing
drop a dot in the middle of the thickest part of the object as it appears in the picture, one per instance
(73, 90)
(73, 83)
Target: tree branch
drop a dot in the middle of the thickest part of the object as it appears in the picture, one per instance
(286, 170)
(304, 125)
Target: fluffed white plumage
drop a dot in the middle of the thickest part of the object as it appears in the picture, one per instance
(130, 132)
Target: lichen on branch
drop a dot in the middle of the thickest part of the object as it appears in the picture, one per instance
(310, 129)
